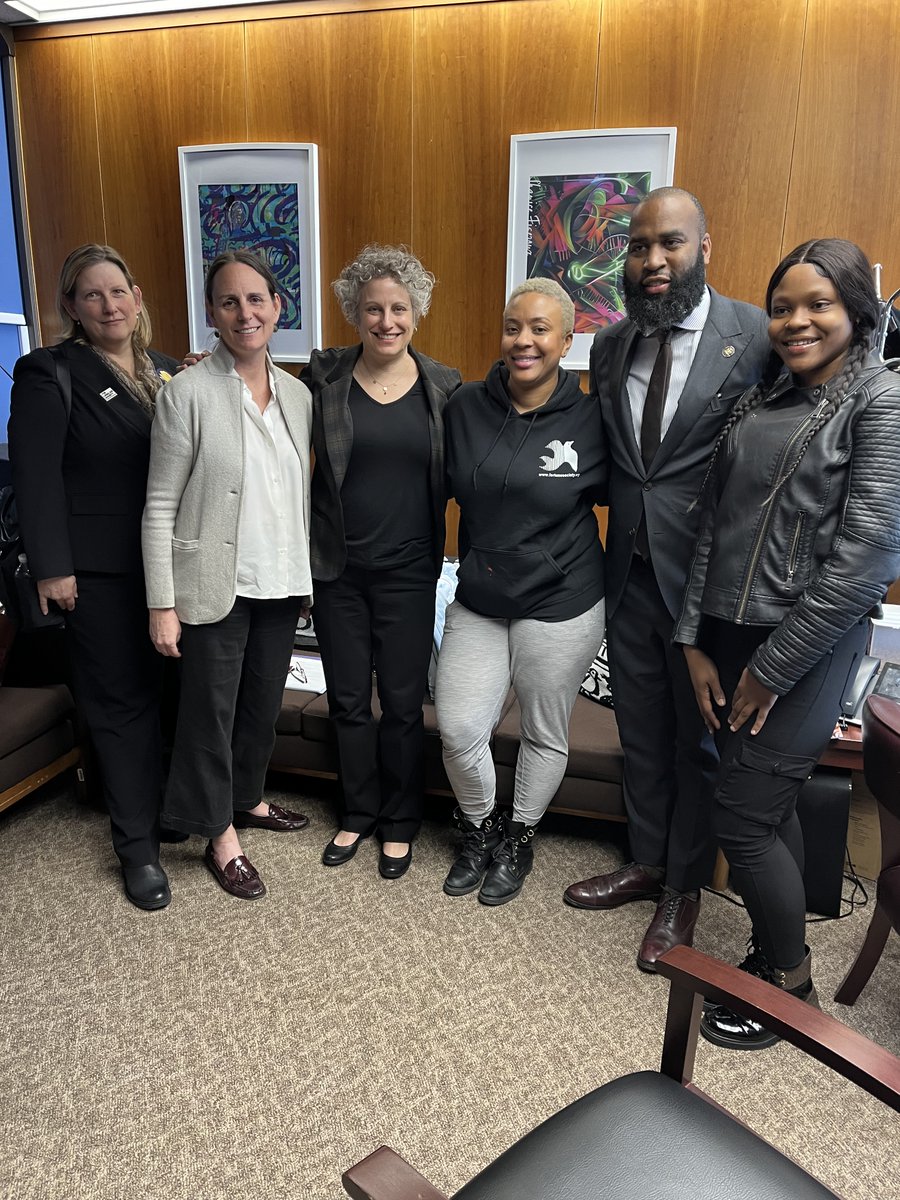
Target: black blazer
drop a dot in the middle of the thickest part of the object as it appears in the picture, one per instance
(731, 356)
(328, 376)
(80, 485)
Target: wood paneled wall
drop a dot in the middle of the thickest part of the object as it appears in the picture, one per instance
(784, 108)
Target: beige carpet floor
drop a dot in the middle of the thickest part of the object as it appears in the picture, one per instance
(221, 1048)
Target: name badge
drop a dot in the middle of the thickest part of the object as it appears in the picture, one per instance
(108, 394)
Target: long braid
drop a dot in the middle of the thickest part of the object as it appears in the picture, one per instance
(748, 401)
(842, 385)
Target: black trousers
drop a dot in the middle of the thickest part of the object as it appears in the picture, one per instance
(382, 619)
(670, 759)
(232, 680)
(760, 777)
(117, 678)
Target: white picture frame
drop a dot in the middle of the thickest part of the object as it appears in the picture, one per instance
(556, 183)
(260, 196)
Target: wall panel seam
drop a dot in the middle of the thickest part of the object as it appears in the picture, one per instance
(99, 147)
(790, 186)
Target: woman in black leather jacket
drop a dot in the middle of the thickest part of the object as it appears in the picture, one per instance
(800, 538)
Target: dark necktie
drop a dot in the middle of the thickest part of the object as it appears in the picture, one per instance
(651, 422)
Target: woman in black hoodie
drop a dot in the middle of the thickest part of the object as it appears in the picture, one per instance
(526, 462)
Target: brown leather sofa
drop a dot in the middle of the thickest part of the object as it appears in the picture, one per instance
(304, 745)
(38, 737)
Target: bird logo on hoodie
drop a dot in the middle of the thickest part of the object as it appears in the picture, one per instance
(561, 453)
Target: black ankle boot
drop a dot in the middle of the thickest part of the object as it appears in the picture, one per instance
(478, 844)
(754, 964)
(723, 1027)
(513, 859)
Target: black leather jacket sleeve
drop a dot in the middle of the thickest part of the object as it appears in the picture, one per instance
(687, 627)
(864, 559)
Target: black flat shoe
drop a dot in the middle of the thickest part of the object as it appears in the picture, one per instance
(147, 887)
(334, 855)
(392, 868)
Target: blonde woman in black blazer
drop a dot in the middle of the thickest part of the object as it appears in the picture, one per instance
(377, 542)
(80, 484)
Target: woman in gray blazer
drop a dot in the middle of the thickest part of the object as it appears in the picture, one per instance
(226, 557)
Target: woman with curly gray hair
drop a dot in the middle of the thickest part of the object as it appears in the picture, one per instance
(377, 543)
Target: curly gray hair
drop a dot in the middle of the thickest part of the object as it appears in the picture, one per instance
(383, 262)
(548, 287)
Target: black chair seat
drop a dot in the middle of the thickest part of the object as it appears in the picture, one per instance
(642, 1137)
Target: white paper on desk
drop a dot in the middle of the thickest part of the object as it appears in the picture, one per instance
(305, 674)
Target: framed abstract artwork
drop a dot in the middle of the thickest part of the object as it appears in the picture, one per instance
(263, 197)
(571, 196)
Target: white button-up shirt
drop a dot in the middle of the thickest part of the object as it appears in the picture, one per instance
(685, 340)
(273, 549)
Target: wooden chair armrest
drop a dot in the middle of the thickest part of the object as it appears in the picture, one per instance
(867, 1065)
(384, 1175)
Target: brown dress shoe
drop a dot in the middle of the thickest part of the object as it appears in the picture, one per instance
(281, 820)
(672, 925)
(238, 877)
(631, 882)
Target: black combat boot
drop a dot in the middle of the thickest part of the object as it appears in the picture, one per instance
(754, 964)
(723, 1027)
(512, 860)
(478, 844)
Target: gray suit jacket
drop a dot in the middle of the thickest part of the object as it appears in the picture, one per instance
(733, 352)
(195, 488)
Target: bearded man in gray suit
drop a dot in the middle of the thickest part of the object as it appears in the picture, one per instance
(665, 379)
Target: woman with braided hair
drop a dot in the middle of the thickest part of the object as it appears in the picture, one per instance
(799, 541)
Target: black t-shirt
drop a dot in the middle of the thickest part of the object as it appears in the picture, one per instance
(386, 495)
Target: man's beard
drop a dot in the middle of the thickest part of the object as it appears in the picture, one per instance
(683, 295)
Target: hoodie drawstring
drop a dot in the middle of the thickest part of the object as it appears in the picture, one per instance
(516, 452)
(480, 464)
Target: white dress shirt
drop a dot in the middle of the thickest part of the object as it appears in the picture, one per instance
(685, 340)
(273, 548)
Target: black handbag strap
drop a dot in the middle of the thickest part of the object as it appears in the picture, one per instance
(63, 378)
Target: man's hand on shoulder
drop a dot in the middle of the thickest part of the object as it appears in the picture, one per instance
(192, 358)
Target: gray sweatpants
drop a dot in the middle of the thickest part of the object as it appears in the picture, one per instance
(545, 662)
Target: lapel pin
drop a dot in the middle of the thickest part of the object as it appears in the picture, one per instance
(728, 351)
(108, 394)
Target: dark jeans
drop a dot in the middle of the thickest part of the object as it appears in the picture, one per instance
(232, 679)
(755, 808)
(117, 678)
(382, 619)
(670, 759)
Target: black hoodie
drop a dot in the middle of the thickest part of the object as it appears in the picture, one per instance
(526, 484)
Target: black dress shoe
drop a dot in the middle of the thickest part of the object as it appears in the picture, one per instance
(392, 868)
(334, 855)
(147, 887)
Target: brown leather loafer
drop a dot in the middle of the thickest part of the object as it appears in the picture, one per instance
(238, 877)
(629, 883)
(672, 925)
(281, 820)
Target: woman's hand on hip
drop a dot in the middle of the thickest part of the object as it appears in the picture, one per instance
(165, 631)
(750, 696)
(61, 589)
(707, 688)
